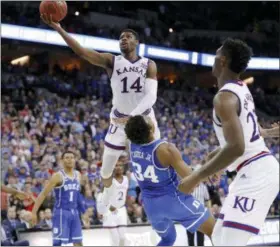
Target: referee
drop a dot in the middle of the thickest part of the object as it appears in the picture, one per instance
(200, 193)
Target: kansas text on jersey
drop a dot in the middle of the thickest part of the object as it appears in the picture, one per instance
(127, 83)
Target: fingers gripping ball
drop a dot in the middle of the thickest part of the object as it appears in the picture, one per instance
(57, 9)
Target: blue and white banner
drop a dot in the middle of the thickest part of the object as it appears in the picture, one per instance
(109, 45)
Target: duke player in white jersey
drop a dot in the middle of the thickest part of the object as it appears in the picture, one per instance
(242, 149)
(116, 217)
(134, 86)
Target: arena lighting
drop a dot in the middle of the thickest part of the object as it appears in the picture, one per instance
(170, 30)
(109, 45)
(21, 60)
(77, 13)
(168, 54)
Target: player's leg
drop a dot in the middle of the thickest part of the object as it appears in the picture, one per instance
(200, 238)
(115, 237)
(164, 227)
(60, 227)
(191, 214)
(166, 230)
(76, 234)
(250, 197)
(114, 146)
(122, 223)
(157, 131)
(110, 221)
(190, 238)
(207, 226)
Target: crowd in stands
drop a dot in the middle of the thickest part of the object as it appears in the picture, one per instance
(40, 119)
(261, 28)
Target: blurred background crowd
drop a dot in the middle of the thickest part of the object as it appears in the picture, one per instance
(50, 105)
(184, 25)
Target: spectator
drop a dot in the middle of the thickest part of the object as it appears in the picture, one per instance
(46, 219)
(8, 229)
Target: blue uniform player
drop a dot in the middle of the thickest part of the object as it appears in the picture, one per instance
(66, 214)
(156, 164)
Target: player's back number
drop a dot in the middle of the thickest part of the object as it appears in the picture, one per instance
(149, 173)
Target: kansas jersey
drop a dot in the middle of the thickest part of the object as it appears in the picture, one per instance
(120, 190)
(67, 194)
(128, 83)
(254, 143)
(154, 179)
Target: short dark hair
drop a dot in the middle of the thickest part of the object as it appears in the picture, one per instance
(137, 130)
(136, 35)
(239, 54)
(67, 152)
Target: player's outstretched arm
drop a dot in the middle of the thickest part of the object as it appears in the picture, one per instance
(19, 194)
(151, 87)
(104, 60)
(55, 180)
(270, 133)
(226, 106)
(169, 155)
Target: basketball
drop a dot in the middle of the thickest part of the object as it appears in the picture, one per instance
(58, 9)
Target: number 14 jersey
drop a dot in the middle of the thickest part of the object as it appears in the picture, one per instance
(254, 143)
(128, 83)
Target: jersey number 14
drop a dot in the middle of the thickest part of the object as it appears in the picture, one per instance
(136, 86)
(148, 174)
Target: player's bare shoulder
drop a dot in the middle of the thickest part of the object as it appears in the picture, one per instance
(165, 152)
(224, 101)
(152, 70)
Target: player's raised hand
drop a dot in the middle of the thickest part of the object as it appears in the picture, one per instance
(48, 20)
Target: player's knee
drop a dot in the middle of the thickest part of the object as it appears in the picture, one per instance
(56, 243)
(208, 226)
(107, 182)
(169, 238)
(110, 158)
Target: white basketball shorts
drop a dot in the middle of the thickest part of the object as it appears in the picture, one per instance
(115, 219)
(251, 194)
(116, 137)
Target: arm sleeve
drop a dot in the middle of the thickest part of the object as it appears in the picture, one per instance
(149, 99)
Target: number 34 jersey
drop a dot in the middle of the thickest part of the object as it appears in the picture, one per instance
(154, 180)
(128, 83)
(254, 143)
